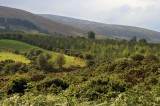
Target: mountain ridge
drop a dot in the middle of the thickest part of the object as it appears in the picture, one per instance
(117, 31)
(73, 27)
(44, 23)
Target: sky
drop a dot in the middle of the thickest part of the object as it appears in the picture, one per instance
(140, 13)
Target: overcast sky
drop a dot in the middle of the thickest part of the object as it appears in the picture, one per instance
(142, 13)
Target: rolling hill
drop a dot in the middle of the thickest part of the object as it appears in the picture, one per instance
(12, 19)
(6, 45)
(26, 21)
(117, 31)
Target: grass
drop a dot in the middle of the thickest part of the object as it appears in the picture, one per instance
(15, 57)
(14, 45)
(70, 60)
(6, 45)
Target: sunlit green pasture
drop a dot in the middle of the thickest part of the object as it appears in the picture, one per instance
(6, 45)
(14, 45)
(70, 60)
(15, 57)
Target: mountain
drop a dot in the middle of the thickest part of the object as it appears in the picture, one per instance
(20, 20)
(117, 31)
(12, 19)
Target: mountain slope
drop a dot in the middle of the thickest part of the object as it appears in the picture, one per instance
(118, 31)
(15, 19)
(35, 20)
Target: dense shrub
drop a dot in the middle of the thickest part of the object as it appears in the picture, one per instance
(93, 90)
(87, 56)
(41, 62)
(15, 52)
(122, 65)
(3, 63)
(52, 85)
(90, 62)
(137, 57)
(17, 86)
(14, 67)
(151, 57)
(60, 61)
(37, 77)
(47, 56)
(112, 79)
(33, 53)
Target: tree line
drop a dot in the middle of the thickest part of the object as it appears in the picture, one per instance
(107, 49)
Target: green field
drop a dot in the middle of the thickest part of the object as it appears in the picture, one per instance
(70, 61)
(14, 45)
(15, 57)
(6, 45)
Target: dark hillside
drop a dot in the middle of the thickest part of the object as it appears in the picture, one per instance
(36, 20)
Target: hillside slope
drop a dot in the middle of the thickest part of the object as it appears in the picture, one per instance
(36, 20)
(11, 56)
(11, 18)
(118, 31)
(6, 45)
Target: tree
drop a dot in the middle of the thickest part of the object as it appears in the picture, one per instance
(91, 35)
(133, 40)
(60, 60)
(142, 41)
(42, 62)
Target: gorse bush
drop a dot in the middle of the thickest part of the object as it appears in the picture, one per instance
(13, 67)
(116, 72)
(151, 57)
(52, 85)
(17, 86)
(33, 53)
(137, 57)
